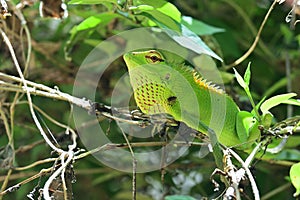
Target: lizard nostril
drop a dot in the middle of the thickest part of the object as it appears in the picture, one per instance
(168, 76)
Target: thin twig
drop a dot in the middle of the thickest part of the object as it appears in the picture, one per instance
(276, 191)
(5, 122)
(63, 154)
(43, 90)
(108, 147)
(16, 63)
(51, 119)
(56, 173)
(138, 144)
(251, 26)
(39, 162)
(289, 82)
(251, 49)
(5, 182)
(19, 14)
(134, 165)
(249, 174)
(18, 185)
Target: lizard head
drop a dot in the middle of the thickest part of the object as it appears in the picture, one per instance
(148, 74)
(134, 59)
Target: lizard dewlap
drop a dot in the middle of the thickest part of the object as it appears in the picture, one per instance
(161, 86)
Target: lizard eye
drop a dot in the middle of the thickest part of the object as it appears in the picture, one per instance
(154, 57)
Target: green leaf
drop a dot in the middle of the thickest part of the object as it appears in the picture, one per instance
(274, 101)
(266, 119)
(92, 1)
(180, 33)
(86, 27)
(240, 79)
(293, 143)
(244, 83)
(198, 27)
(142, 8)
(179, 197)
(160, 19)
(295, 177)
(194, 43)
(295, 102)
(170, 10)
(244, 125)
(247, 75)
(288, 154)
(206, 62)
(94, 21)
(167, 16)
(164, 7)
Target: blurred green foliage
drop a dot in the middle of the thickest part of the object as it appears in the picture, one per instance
(227, 27)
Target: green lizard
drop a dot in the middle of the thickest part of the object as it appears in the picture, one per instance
(161, 86)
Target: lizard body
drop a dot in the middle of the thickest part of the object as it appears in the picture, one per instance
(178, 90)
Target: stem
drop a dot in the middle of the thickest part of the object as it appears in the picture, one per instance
(248, 172)
(251, 49)
(276, 191)
(134, 165)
